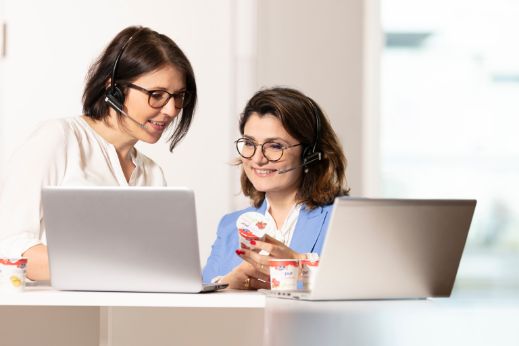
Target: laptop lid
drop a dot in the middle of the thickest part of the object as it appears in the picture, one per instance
(122, 239)
(392, 248)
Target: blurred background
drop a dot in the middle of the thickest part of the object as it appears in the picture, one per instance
(423, 95)
(449, 87)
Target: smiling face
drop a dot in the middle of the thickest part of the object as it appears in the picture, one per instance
(136, 104)
(263, 174)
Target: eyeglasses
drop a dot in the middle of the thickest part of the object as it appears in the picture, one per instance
(159, 98)
(273, 151)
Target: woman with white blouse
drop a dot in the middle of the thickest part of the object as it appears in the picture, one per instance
(141, 85)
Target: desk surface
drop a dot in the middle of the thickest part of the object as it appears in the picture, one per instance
(431, 322)
(46, 296)
(472, 321)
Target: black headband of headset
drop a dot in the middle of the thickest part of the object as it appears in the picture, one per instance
(116, 63)
(317, 139)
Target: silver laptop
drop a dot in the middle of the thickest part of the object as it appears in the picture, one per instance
(390, 249)
(137, 239)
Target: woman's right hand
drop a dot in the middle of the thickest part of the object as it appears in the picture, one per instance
(246, 277)
(275, 250)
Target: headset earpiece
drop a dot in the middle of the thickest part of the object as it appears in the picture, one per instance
(114, 94)
(312, 153)
(306, 150)
(115, 97)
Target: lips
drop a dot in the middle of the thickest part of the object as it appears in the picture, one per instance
(262, 172)
(158, 125)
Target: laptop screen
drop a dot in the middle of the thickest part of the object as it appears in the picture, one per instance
(392, 248)
(122, 239)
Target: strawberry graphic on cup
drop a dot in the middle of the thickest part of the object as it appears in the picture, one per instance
(251, 227)
(284, 274)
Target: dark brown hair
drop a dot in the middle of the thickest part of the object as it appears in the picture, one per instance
(298, 114)
(147, 52)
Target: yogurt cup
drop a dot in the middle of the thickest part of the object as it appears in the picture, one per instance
(284, 274)
(12, 274)
(308, 271)
(251, 226)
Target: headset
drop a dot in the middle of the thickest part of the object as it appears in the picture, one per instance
(114, 94)
(310, 153)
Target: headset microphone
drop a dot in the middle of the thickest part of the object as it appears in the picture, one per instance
(116, 107)
(309, 159)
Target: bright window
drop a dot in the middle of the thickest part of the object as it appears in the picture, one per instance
(450, 121)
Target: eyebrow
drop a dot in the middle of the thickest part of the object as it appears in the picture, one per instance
(181, 90)
(270, 139)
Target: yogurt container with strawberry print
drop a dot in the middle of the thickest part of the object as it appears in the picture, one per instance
(284, 274)
(251, 226)
(12, 274)
(309, 269)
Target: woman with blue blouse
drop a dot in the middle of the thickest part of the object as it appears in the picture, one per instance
(293, 167)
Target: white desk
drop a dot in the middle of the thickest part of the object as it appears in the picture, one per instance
(445, 322)
(46, 296)
(42, 316)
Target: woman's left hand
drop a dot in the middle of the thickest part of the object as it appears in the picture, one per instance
(275, 248)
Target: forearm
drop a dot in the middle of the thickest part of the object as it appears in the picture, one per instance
(37, 263)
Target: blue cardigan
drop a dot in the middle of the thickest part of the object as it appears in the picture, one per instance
(308, 237)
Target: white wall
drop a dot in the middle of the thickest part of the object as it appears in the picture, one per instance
(328, 49)
(2, 80)
(324, 48)
(52, 43)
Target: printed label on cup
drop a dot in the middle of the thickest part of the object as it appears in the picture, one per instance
(251, 226)
(12, 274)
(308, 271)
(283, 274)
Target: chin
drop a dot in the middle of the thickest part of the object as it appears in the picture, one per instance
(262, 187)
(150, 140)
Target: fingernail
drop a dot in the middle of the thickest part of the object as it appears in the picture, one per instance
(252, 242)
(240, 252)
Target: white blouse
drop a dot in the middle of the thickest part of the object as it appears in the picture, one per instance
(60, 152)
(286, 231)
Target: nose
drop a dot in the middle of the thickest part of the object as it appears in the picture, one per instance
(258, 156)
(170, 109)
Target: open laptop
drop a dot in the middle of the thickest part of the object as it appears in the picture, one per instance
(390, 249)
(137, 239)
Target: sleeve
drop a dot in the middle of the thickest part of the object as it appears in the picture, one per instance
(217, 263)
(39, 162)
